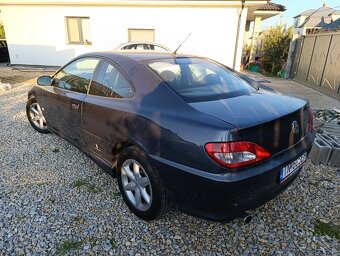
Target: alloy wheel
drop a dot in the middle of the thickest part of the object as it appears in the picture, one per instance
(136, 185)
(37, 116)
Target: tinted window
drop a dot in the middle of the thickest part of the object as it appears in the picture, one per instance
(77, 75)
(135, 47)
(158, 48)
(144, 47)
(110, 82)
(199, 80)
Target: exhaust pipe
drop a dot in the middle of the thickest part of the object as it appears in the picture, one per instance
(246, 217)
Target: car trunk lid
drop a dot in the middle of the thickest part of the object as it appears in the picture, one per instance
(273, 121)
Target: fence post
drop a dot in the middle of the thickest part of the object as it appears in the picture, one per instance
(311, 59)
(324, 67)
(298, 64)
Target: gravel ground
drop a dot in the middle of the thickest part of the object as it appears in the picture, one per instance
(317, 99)
(20, 74)
(54, 200)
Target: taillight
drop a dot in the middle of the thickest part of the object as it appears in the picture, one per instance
(236, 154)
(310, 127)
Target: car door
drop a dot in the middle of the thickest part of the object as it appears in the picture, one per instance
(105, 108)
(63, 100)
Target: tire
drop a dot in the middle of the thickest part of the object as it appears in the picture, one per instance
(35, 116)
(138, 181)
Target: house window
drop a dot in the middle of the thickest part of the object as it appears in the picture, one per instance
(141, 35)
(78, 30)
(310, 31)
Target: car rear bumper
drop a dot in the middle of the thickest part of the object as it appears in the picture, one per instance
(226, 196)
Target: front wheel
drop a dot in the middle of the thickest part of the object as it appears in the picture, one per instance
(141, 186)
(35, 116)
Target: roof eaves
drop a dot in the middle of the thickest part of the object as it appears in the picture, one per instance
(272, 7)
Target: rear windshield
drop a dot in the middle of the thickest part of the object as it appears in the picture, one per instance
(196, 79)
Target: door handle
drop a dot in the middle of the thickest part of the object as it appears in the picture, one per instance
(75, 104)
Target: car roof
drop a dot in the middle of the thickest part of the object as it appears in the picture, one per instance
(139, 56)
(141, 42)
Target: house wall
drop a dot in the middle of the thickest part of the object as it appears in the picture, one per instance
(297, 22)
(335, 17)
(36, 35)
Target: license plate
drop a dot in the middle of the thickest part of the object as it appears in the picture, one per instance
(288, 170)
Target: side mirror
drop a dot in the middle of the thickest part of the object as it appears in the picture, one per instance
(44, 81)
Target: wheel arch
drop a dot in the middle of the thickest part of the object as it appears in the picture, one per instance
(30, 95)
(118, 148)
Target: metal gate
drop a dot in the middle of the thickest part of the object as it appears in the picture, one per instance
(318, 64)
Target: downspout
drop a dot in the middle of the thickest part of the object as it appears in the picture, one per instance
(238, 33)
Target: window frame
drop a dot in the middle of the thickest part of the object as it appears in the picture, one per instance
(71, 62)
(80, 30)
(120, 70)
(131, 30)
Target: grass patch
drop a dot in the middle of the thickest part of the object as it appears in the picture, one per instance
(113, 243)
(93, 241)
(87, 185)
(20, 218)
(322, 229)
(93, 189)
(56, 150)
(116, 194)
(78, 219)
(79, 183)
(69, 246)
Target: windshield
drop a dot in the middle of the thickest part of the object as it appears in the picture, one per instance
(198, 79)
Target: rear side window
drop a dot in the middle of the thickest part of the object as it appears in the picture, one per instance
(110, 82)
(77, 75)
(199, 80)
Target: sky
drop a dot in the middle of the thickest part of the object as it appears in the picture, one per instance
(295, 7)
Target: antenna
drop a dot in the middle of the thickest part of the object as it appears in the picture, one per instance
(175, 51)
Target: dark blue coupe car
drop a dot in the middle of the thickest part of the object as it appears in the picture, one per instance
(176, 130)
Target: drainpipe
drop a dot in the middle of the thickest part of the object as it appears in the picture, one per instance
(238, 33)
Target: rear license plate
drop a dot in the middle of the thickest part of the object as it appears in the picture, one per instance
(288, 170)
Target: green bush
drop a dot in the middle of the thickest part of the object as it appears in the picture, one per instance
(276, 69)
(2, 31)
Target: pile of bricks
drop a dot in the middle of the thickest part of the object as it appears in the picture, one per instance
(327, 115)
(326, 147)
(326, 150)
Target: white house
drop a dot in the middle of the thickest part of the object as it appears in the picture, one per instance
(51, 32)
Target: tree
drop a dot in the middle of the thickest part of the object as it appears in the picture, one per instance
(2, 31)
(275, 46)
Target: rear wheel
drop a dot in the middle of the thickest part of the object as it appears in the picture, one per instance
(141, 186)
(35, 116)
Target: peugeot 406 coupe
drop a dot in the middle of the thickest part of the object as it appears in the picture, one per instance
(176, 130)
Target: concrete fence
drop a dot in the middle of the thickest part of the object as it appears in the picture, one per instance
(316, 62)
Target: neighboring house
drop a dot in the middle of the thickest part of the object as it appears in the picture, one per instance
(330, 28)
(52, 32)
(308, 22)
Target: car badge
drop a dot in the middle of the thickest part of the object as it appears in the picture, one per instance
(295, 127)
